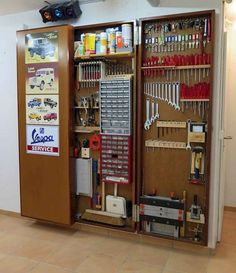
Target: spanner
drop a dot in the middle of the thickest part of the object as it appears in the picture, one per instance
(166, 92)
(169, 97)
(153, 112)
(177, 96)
(188, 147)
(157, 115)
(147, 123)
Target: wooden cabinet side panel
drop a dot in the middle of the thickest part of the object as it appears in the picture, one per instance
(46, 182)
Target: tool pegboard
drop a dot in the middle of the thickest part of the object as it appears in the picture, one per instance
(174, 117)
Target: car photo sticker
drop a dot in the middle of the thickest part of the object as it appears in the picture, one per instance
(41, 47)
(42, 109)
(42, 78)
(42, 140)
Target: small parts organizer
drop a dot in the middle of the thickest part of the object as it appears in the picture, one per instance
(116, 125)
(175, 95)
(116, 159)
(115, 99)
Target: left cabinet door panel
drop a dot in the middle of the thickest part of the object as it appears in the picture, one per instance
(45, 87)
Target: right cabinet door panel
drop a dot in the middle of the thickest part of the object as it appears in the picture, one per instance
(174, 125)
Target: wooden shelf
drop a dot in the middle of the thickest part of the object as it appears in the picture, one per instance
(88, 129)
(206, 66)
(109, 56)
(81, 107)
(193, 100)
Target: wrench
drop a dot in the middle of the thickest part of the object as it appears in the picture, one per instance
(169, 97)
(174, 95)
(147, 123)
(166, 92)
(153, 112)
(157, 115)
(162, 91)
(188, 147)
(177, 97)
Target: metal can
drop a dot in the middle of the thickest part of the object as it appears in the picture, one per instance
(127, 35)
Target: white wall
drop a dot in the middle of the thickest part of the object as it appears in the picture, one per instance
(110, 10)
(230, 185)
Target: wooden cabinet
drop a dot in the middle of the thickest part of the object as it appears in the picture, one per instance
(163, 130)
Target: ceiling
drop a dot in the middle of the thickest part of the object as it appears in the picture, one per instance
(8, 7)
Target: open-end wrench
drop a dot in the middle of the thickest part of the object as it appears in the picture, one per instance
(159, 90)
(153, 112)
(166, 92)
(156, 94)
(188, 147)
(147, 123)
(157, 115)
(169, 96)
(174, 95)
(177, 96)
(162, 91)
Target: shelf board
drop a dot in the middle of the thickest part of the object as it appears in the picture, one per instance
(192, 100)
(114, 55)
(81, 107)
(206, 66)
(88, 129)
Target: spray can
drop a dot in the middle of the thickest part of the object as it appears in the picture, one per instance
(127, 35)
(87, 44)
(97, 44)
(103, 42)
(112, 41)
(92, 38)
(119, 43)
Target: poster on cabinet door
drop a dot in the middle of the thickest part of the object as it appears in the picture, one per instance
(42, 140)
(42, 78)
(41, 47)
(42, 109)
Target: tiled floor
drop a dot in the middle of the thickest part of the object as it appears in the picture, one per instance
(26, 246)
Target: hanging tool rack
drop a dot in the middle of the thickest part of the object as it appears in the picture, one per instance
(174, 117)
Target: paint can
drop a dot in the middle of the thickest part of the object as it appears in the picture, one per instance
(103, 43)
(127, 35)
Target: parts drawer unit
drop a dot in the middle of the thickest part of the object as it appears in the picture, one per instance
(161, 210)
(116, 159)
(115, 101)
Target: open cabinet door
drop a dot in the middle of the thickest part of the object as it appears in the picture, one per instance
(45, 123)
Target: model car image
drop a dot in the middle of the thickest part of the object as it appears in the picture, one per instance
(42, 77)
(50, 116)
(34, 102)
(34, 116)
(41, 47)
(50, 102)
